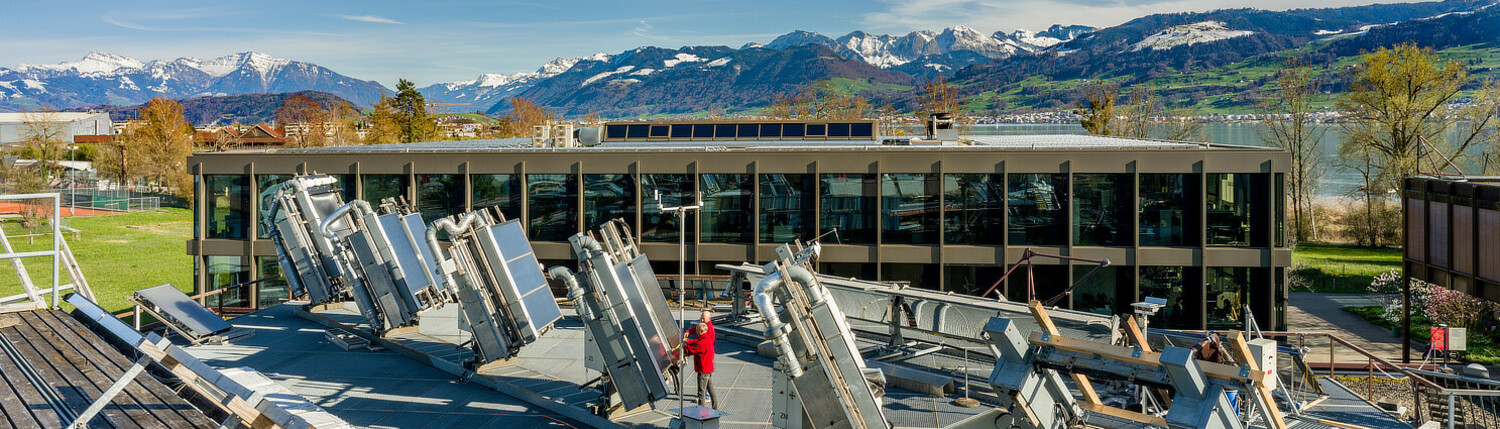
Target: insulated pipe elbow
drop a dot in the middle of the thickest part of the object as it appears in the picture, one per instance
(776, 329)
(807, 279)
(575, 292)
(452, 227)
(323, 227)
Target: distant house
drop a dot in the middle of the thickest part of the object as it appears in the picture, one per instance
(13, 125)
(258, 135)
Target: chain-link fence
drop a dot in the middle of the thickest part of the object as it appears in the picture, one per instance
(108, 200)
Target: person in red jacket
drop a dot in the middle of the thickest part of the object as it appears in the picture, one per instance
(699, 341)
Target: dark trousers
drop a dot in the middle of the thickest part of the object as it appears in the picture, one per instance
(706, 388)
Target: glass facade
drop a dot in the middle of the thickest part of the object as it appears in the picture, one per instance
(224, 272)
(923, 276)
(1280, 199)
(1167, 283)
(675, 190)
(909, 209)
(1102, 209)
(1048, 281)
(439, 195)
(381, 186)
(1227, 198)
(228, 206)
(267, 184)
(274, 291)
(1099, 293)
(974, 209)
(553, 200)
(1164, 210)
(502, 191)
(1226, 297)
(728, 208)
(971, 279)
(1038, 207)
(786, 207)
(848, 204)
(608, 197)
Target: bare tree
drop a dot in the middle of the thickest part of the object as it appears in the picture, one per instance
(1288, 122)
(46, 138)
(822, 99)
(938, 96)
(1134, 118)
(524, 115)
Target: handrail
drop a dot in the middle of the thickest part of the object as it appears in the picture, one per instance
(1357, 349)
(214, 292)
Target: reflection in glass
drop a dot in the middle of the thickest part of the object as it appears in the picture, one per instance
(1280, 209)
(502, 191)
(608, 197)
(971, 279)
(1048, 282)
(1102, 212)
(224, 272)
(1163, 209)
(267, 184)
(923, 276)
(1038, 209)
(439, 195)
(1227, 296)
(553, 211)
(228, 208)
(381, 186)
(347, 190)
(1096, 294)
(676, 190)
(909, 209)
(272, 291)
(1167, 283)
(1228, 200)
(727, 208)
(974, 212)
(786, 207)
(848, 204)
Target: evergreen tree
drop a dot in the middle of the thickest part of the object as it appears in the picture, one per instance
(411, 116)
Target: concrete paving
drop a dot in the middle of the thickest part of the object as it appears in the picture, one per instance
(1323, 312)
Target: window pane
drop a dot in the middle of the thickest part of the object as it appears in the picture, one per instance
(975, 212)
(271, 292)
(1038, 209)
(1227, 296)
(1163, 209)
(838, 130)
(972, 280)
(553, 206)
(1048, 281)
(770, 130)
(228, 206)
(614, 132)
(1102, 216)
(749, 131)
(676, 190)
(1167, 283)
(381, 186)
(267, 183)
(1280, 197)
(793, 130)
(608, 197)
(659, 131)
(848, 204)
(638, 131)
(923, 276)
(786, 207)
(909, 208)
(703, 131)
(439, 195)
(816, 129)
(1100, 292)
(497, 190)
(1228, 199)
(682, 131)
(727, 208)
(724, 131)
(862, 130)
(224, 272)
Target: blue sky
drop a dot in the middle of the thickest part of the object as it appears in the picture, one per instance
(450, 40)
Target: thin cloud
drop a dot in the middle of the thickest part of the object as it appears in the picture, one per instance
(369, 18)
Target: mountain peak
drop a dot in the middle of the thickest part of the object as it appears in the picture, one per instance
(96, 62)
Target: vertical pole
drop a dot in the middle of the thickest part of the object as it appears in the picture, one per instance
(56, 246)
(1450, 410)
(682, 310)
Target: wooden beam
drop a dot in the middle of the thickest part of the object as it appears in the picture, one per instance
(1242, 353)
(1084, 387)
(1138, 337)
(232, 403)
(1124, 414)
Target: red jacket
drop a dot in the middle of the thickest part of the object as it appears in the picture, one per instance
(702, 349)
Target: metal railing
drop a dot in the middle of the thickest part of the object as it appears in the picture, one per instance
(114, 200)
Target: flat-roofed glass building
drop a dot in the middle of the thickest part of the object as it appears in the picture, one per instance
(1450, 233)
(1197, 224)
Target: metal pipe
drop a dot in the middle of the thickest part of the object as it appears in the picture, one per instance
(452, 227)
(323, 227)
(806, 278)
(776, 330)
(575, 291)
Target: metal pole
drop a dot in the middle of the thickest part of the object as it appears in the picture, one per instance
(56, 246)
(682, 310)
(1450, 410)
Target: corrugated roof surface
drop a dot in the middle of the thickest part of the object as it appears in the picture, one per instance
(986, 142)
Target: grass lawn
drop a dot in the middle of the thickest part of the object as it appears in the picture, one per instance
(119, 253)
(1340, 268)
(1482, 347)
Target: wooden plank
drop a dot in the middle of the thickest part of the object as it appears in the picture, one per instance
(234, 404)
(147, 392)
(22, 401)
(1124, 414)
(75, 372)
(1242, 352)
(1133, 330)
(56, 372)
(1084, 387)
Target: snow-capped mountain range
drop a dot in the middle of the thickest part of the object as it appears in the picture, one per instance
(937, 50)
(489, 88)
(106, 78)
